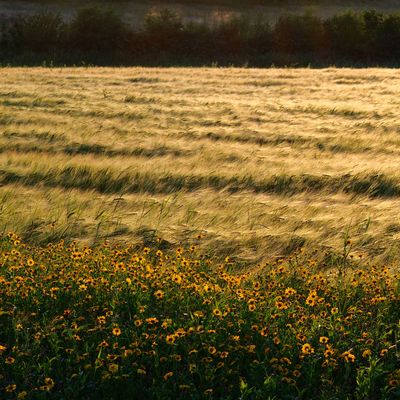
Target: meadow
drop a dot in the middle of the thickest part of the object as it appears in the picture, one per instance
(112, 322)
(261, 162)
(209, 233)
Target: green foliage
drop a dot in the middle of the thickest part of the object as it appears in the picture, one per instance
(99, 35)
(298, 34)
(388, 37)
(162, 32)
(39, 33)
(346, 35)
(116, 321)
(96, 29)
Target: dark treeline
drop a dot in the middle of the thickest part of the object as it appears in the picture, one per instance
(99, 36)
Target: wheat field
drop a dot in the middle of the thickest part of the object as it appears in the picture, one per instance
(259, 162)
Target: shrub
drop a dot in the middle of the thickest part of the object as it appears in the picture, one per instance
(298, 34)
(163, 31)
(260, 40)
(346, 36)
(197, 41)
(39, 33)
(388, 38)
(97, 30)
(230, 37)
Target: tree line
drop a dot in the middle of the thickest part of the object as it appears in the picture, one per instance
(99, 36)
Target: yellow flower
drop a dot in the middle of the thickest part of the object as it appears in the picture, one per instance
(348, 356)
(49, 382)
(323, 339)
(159, 294)
(165, 324)
(177, 279)
(310, 301)
(296, 373)
(252, 307)
(212, 350)
(289, 291)
(128, 353)
(11, 388)
(280, 305)
(116, 331)
(251, 348)
(329, 352)
(9, 360)
(307, 349)
(168, 375)
(113, 368)
(334, 310)
(170, 339)
(198, 314)
(366, 353)
(217, 312)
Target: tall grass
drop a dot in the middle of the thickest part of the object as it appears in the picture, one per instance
(265, 160)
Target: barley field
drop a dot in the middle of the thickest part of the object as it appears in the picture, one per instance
(258, 162)
(199, 233)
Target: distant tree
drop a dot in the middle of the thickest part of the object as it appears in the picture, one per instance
(298, 34)
(260, 39)
(346, 36)
(40, 33)
(231, 37)
(163, 31)
(372, 22)
(388, 38)
(97, 30)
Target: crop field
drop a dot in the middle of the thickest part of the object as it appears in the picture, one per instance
(210, 233)
(259, 162)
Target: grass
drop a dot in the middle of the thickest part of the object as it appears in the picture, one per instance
(261, 159)
(199, 233)
(112, 322)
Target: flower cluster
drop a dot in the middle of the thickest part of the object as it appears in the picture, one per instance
(115, 322)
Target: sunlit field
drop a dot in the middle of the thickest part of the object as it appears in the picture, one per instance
(199, 233)
(260, 162)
